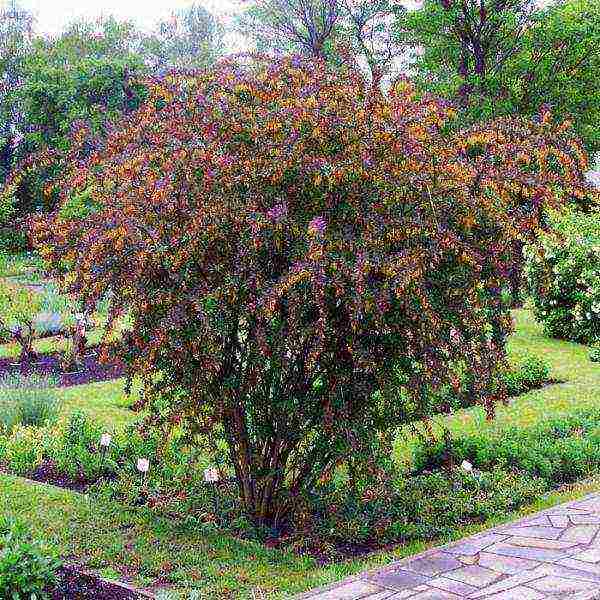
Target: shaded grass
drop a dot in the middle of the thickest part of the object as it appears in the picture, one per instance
(105, 402)
(569, 363)
(25, 266)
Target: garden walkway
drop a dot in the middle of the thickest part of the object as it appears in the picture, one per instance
(551, 554)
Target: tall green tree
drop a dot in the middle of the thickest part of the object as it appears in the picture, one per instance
(499, 57)
(192, 38)
(15, 38)
(88, 74)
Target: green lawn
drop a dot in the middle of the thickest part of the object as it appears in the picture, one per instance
(108, 536)
(570, 365)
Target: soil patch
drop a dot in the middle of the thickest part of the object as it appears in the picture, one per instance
(90, 371)
(48, 473)
(74, 585)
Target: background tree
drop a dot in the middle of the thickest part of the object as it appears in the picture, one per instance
(15, 37)
(304, 259)
(332, 30)
(511, 57)
(191, 39)
(88, 74)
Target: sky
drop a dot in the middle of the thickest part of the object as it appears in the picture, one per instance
(53, 15)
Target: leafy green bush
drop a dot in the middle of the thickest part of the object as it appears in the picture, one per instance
(563, 276)
(22, 451)
(595, 352)
(528, 372)
(422, 507)
(74, 449)
(27, 566)
(531, 372)
(558, 451)
(27, 400)
(12, 238)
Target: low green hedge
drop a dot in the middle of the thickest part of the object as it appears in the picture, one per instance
(559, 450)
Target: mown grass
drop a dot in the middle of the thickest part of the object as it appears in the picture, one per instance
(579, 387)
(136, 544)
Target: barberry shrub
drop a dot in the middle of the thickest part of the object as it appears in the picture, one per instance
(563, 276)
(303, 259)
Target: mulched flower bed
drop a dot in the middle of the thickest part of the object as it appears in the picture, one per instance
(48, 473)
(74, 585)
(91, 370)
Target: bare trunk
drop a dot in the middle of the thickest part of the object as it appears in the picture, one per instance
(25, 341)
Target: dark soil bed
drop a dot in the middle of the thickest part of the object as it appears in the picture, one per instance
(91, 370)
(48, 473)
(74, 585)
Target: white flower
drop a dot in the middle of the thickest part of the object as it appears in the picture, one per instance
(466, 466)
(143, 465)
(105, 440)
(211, 475)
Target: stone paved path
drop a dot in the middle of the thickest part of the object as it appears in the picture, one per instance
(552, 554)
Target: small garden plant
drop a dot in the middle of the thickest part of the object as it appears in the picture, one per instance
(28, 400)
(27, 566)
(19, 307)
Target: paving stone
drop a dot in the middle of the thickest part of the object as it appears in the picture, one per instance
(508, 583)
(541, 554)
(591, 505)
(351, 591)
(543, 520)
(518, 593)
(435, 595)
(398, 579)
(582, 566)
(450, 585)
(561, 585)
(568, 572)
(585, 519)
(405, 595)
(474, 575)
(562, 520)
(541, 543)
(539, 520)
(433, 564)
(583, 534)
(546, 533)
(592, 555)
(566, 511)
(474, 545)
(508, 565)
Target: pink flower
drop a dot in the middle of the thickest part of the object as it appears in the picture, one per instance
(277, 213)
(317, 226)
